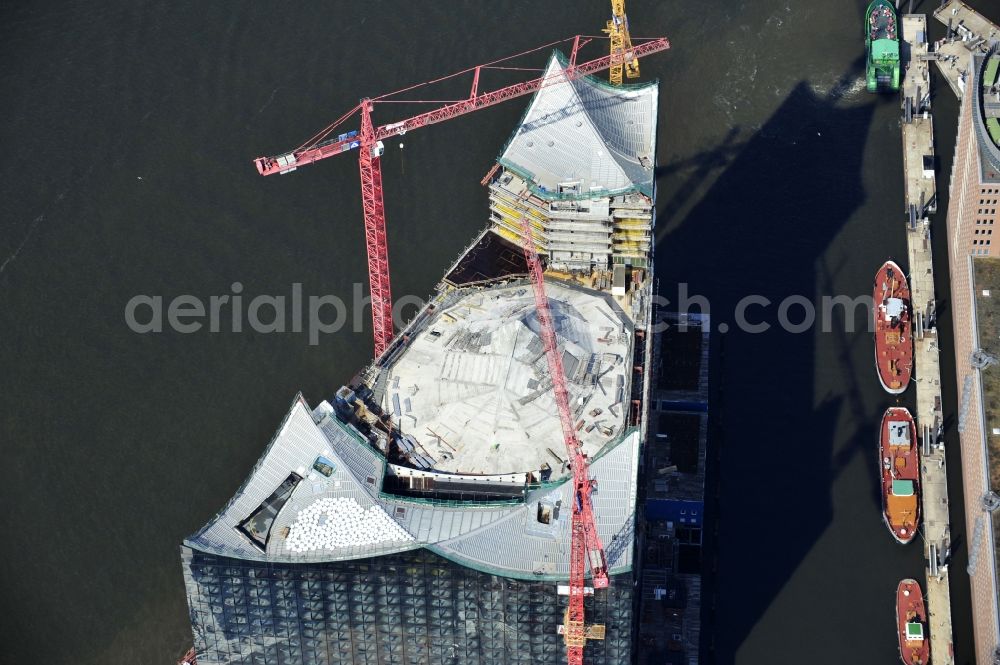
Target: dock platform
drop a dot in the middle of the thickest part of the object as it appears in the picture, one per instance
(933, 468)
(918, 125)
(921, 199)
(973, 28)
(952, 60)
(969, 31)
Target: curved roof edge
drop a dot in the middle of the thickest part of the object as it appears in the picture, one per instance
(506, 540)
(604, 118)
(988, 147)
(516, 575)
(522, 547)
(193, 539)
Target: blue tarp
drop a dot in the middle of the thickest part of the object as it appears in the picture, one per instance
(675, 510)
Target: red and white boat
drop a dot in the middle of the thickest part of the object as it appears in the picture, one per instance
(911, 624)
(893, 326)
(899, 466)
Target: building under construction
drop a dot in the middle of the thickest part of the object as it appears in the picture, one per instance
(422, 514)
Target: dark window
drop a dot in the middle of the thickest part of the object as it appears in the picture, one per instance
(257, 527)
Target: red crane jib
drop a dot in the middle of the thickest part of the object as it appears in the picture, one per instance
(586, 547)
(368, 141)
(307, 155)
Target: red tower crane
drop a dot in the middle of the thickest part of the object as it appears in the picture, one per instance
(585, 544)
(586, 548)
(369, 144)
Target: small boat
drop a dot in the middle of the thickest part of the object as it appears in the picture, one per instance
(882, 46)
(893, 325)
(899, 466)
(911, 623)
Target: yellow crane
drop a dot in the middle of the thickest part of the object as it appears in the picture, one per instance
(622, 56)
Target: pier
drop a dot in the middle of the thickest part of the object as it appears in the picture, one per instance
(933, 468)
(968, 31)
(970, 34)
(972, 28)
(918, 125)
(920, 200)
(952, 60)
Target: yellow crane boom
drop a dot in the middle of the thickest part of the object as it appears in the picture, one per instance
(622, 57)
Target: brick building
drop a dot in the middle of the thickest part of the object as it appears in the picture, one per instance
(972, 220)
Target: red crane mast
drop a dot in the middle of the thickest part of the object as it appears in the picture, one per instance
(370, 147)
(375, 240)
(585, 545)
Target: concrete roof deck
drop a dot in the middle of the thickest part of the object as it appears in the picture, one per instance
(472, 387)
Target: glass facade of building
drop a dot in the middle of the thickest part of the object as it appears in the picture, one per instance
(413, 608)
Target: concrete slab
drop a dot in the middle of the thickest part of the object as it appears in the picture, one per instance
(472, 387)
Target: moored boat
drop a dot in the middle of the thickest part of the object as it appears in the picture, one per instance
(899, 467)
(893, 324)
(911, 624)
(882, 46)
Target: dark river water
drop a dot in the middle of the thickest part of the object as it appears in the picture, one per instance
(127, 133)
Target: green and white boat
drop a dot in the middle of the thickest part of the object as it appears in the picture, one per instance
(882, 42)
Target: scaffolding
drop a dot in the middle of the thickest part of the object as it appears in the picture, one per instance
(576, 235)
(414, 608)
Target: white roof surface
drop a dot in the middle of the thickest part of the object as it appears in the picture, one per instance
(588, 132)
(344, 516)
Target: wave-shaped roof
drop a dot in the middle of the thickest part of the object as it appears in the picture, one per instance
(316, 494)
(588, 132)
(344, 515)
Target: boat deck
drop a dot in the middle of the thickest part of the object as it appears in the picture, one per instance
(893, 328)
(882, 24)
(900, 473)
(911, 609)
